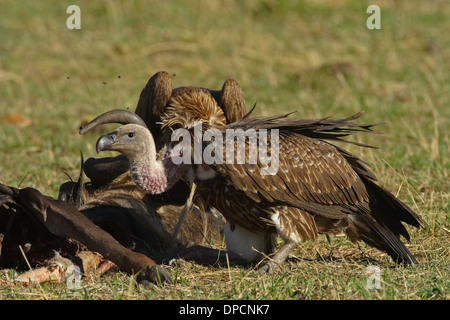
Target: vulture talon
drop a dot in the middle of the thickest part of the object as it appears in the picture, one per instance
(154, 274)
(269, 267)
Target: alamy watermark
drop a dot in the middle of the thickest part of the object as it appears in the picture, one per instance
(374, 20)
(229, 148)
(74, 20)
(73, 277)
(374, 277)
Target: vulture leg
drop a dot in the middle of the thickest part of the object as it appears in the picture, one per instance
(186, 209)
(64, 220)
(279, 257)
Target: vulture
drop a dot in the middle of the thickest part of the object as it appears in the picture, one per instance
(317, 187)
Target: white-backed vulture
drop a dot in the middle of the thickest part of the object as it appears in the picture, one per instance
(318, 188)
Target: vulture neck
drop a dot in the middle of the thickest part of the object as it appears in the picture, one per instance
(155, 176)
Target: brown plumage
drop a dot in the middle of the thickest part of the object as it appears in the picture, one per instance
(182, 111)
(319, 188)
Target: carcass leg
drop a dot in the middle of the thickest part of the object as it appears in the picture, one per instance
(65, 221)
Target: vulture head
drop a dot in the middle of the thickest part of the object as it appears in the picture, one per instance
(130, 140)
(151, 172)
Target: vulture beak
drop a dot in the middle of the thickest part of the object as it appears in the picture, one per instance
(105, 142)
(114, 116)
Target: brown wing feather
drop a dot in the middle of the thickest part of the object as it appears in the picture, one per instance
(310, 171)
(239, 209)
(153, 99)
(295, 223)
(232, 101)
(234, 205)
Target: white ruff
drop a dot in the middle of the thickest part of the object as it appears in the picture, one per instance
(203, 174)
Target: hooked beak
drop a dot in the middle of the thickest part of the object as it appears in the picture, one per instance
(105, 142)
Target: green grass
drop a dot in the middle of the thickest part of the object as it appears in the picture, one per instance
(314, 57)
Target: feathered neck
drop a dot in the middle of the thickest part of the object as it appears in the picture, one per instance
(152, 175)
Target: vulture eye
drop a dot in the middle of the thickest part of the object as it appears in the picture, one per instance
(130, 134)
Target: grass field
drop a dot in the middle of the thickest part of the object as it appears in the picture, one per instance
(314, 57)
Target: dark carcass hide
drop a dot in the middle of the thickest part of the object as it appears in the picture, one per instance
(146, 223)
(116, 220)
(35, 226)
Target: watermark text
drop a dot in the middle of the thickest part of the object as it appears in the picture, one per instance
(234, 147)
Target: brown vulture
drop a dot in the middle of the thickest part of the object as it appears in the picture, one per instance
(318, 188)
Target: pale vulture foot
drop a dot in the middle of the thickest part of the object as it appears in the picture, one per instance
(280, 256)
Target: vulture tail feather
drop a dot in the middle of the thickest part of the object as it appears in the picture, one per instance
(375, 234)
(379, 223)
